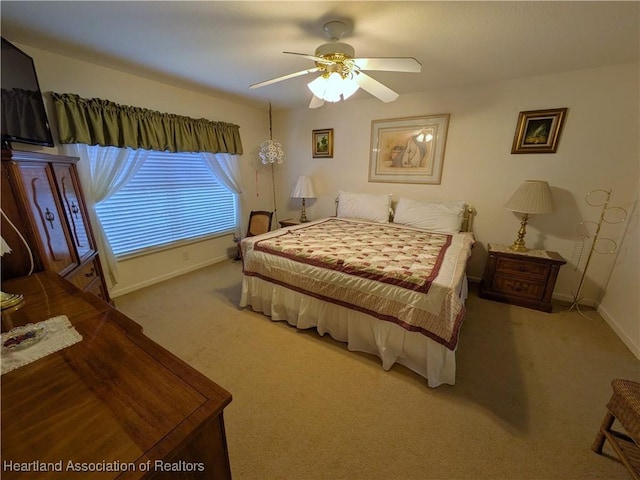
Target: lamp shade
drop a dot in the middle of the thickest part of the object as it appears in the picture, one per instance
(303, 188)
(532, 197)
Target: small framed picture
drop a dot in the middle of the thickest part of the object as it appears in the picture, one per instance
(538, 131)
(322, 143)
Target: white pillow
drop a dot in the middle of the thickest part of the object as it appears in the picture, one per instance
(366, 206)
(440, 217)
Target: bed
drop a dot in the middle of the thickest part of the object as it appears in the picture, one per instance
(391, 289)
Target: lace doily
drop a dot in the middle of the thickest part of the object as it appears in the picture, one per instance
(26, 344)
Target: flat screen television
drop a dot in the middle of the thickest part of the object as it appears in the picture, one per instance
(24, 118)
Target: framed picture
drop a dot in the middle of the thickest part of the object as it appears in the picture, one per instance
(322, 142)
(538, 131)
(408, 150)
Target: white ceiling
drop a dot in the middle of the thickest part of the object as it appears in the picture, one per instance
(222, 47)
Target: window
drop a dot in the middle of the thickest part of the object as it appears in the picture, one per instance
(174, 197)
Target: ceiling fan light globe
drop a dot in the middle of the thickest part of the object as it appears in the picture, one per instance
(334, 88)
(334, 81)
(349, 87)
(318, 86)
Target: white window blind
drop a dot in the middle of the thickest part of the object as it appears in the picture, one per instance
(174, 197)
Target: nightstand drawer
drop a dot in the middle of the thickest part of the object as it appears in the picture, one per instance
(520, 268)
(522, 278)
(518, 288)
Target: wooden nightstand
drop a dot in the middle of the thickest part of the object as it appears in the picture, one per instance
(521, 278)
(288, 222)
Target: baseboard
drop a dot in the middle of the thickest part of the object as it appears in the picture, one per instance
(634, 347)
(564, 297)
(115, 293)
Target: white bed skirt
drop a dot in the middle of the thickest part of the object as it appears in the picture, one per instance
(362, 332)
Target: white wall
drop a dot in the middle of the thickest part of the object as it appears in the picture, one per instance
(598, 149)
(66, 75)
(620, 305)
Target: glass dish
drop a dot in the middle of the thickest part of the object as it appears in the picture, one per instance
(23, 337)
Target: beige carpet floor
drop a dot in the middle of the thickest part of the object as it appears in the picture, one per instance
(530, 394)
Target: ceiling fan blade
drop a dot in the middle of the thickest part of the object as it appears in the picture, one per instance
(310, 57)
(389, 64)
(375, 88)
(284, 77)
(316, 102)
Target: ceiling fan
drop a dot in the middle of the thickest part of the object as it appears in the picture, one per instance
(342, 74)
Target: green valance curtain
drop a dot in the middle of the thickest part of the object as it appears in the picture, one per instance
(100, 122)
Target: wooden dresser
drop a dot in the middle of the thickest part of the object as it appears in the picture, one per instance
(521, 278)
(115, 400)
(42, 197)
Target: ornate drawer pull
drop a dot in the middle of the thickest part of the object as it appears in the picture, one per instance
(90, 274)
(49, 216)
(515, 287)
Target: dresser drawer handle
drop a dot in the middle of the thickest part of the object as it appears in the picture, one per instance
(515, 287)
(49, 216)
(91, 273)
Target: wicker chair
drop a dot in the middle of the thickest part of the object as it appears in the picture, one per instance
(259, 222)
(623, 406)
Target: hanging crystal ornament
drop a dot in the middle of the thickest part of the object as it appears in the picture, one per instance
(271, 151)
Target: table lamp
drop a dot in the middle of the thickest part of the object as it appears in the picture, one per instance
(531, 198)
(303, 189)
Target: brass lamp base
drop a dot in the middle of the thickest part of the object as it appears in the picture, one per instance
(303, 215)
(518, 244)
(516, 247)
(8, 300)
